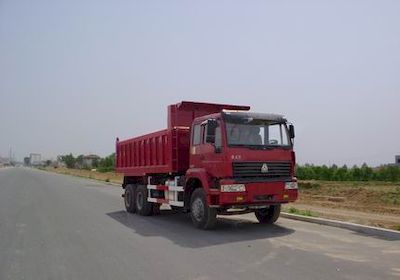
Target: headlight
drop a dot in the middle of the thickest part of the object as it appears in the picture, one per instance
(291, 186)
(233, 188)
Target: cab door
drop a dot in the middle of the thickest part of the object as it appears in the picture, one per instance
(211, 147)
(196, 139)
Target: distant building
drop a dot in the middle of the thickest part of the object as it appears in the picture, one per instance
(5, 162)
(35, 159)
(397, 160)
(27, 161)
(90, 160)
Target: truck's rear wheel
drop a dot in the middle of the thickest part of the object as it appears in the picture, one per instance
(202, 216)
(268, 215)
(143, 207)
(129, 199)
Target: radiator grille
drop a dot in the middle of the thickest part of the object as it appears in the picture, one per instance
(262, 170)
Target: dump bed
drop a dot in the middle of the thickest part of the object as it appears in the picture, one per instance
(165, 151)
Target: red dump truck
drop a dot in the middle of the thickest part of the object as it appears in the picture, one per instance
(213, 159)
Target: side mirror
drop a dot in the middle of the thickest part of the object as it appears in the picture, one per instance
(211, 127)
(291, 131)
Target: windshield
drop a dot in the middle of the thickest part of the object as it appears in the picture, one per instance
(256, 133)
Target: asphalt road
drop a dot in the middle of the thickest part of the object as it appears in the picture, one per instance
(59, 227)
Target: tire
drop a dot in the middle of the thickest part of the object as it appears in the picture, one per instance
(143, 207)
(156, 209)
(129, 199)
(268, 215)
(203, 217)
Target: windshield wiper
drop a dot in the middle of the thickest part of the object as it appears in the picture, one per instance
(254, 147)
(260, 147)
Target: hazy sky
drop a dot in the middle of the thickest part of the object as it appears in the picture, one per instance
(76, 74)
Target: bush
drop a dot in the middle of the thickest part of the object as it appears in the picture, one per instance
(392, 197)
(307, 213)
(69, 160)
(334, 173)
(107, 164)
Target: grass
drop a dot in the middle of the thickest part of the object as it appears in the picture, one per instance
(109, 177)
(392, 197)
(371, 196)
(307, 213)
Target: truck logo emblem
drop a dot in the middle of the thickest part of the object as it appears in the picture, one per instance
(264, 168)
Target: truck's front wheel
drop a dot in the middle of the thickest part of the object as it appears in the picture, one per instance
(129, 199)
(268, 215)
(143, 207)
(202, 215)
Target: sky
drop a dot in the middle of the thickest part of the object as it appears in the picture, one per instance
(74, 75)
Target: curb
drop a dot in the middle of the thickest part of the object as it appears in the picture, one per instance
(373, 231)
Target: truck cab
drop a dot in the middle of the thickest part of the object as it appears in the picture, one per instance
(246, 160)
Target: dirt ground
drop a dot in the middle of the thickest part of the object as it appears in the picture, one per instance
(368, 203)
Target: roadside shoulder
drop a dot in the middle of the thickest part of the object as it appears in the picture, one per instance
(368, 230)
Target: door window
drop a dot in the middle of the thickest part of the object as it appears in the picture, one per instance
(196, 135)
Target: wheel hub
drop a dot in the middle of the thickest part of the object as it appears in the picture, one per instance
(198, 209)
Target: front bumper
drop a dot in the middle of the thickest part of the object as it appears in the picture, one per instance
(260, 193)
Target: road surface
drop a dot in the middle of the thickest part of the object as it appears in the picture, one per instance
(60, 227)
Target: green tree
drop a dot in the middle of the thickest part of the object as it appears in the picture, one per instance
(335, 173)
(342, 173)
(326, 173)
(107, 164)
(69, 160)
(366, 172)
(79, 161)
(355, 173)
(389, 173)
